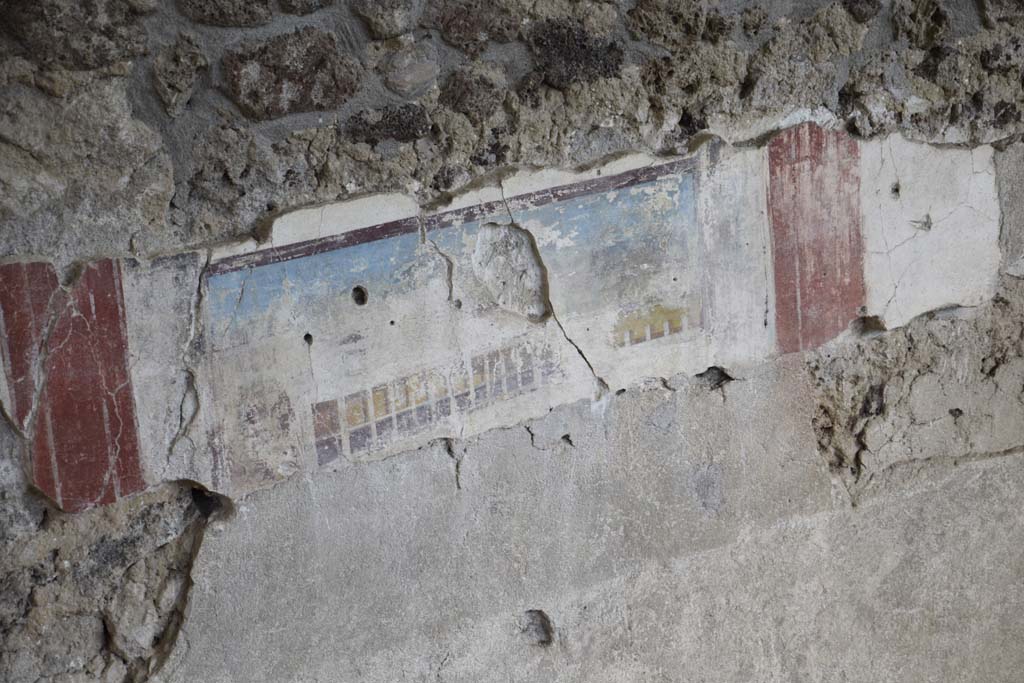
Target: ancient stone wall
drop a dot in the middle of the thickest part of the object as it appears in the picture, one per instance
(450, 340)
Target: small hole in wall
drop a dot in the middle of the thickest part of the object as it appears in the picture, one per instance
(359, 295)
(207, 503)
(895, 189)
(391, 323)
(308, 338)
(538, 628)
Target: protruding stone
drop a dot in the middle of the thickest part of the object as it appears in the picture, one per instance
(506, 261)
(412, 69)
(227, 12)
(389, 18)
(863, 10)
(304, 6)
(290, 73)
(132, 622)
(569, 54)
(470, 24)
(475, 92)
(77, 35)
(175, 72)
(404, 123)
(924, 23)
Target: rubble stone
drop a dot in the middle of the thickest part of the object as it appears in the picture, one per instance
(389, 18)
(175, 72)
(78, 35)
(227, 12)
(412, 69)
(290, 73)
(303, 7)
(568, 54)
(475, 92)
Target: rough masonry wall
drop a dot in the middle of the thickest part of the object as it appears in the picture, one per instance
(453, 340)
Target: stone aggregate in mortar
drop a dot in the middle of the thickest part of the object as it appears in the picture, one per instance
(96, 596)
(551, 83)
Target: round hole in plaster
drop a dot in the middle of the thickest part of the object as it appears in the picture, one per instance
(359, 295)
(308, 338)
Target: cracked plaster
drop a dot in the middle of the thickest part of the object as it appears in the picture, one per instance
(914, 431)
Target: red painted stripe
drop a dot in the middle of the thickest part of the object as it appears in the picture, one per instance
(814, 208)
(85, 448)
(26, 290)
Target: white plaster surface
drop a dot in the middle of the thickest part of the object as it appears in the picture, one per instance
(931, 227)
(663, 544)
(162, 295)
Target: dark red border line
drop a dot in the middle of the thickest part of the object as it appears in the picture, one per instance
(447, 219)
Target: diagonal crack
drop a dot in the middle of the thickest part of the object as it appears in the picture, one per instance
(601, 386)
(449, 448)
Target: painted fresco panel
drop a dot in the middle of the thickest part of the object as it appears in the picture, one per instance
(429, 353)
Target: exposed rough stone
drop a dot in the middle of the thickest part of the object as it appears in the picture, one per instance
(290, 73)
(232, 164)
(62, 578)
(800, 65)
(81, 162)
(470, 24)
(389, 18)
(304, 6)
(403, 123)
(922, 22)
(863, 10)
(955, 93)
(77, 35)
(889, 401)
(658, 104)
(475, 92)
(1000, 11)
(568, 54)
(412, 69)
(676, 24)
(506, 261)
(753, 20)
(175, 72)
(227, 12)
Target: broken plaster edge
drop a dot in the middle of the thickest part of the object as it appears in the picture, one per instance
(316, 221)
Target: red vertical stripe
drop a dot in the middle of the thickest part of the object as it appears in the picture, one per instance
(25, 293)
(85, 447)
(814, 208)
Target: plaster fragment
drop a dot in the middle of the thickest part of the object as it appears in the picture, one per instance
(506, 261)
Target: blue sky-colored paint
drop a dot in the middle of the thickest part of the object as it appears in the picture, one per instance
(612, 232)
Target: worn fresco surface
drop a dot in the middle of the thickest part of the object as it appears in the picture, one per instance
(362, 329)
